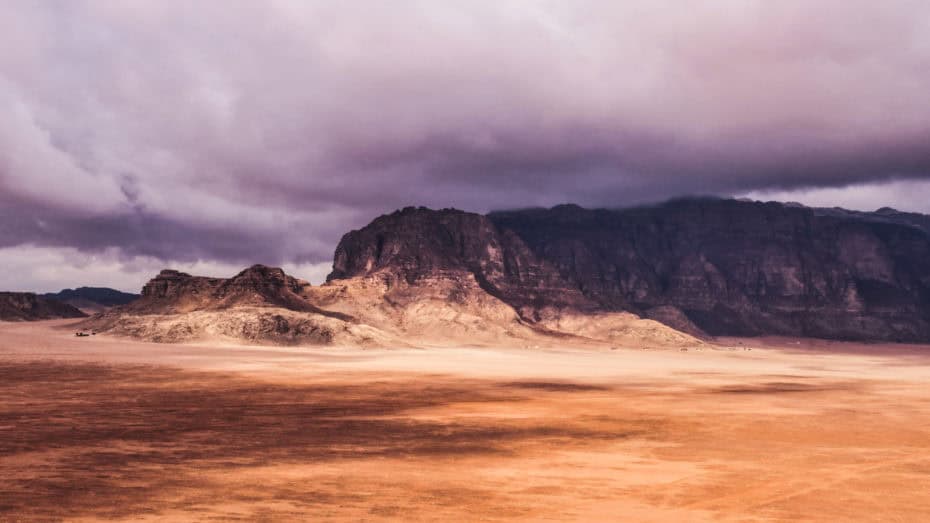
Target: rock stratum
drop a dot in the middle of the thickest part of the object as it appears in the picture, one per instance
(27, 306)
(664, 275)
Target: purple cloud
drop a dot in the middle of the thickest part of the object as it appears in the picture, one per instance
(228, 132)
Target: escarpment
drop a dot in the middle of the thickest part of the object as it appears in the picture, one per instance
(714, 266)
(664, 274)
(745, 268)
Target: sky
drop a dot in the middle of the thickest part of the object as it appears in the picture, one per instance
(210, 135)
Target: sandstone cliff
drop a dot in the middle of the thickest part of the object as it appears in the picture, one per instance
(415, 246)
(723, 267)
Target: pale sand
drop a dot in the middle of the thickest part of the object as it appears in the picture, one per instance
(102, 427)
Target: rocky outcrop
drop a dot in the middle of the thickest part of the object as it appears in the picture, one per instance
(414, 246)
(262, 325)
(396, 302)
(172, 292)
(260, 304)
(26, 306)
(720, 267)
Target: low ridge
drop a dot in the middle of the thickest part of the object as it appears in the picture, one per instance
(92, 299)
(387, 306)
(27, 306)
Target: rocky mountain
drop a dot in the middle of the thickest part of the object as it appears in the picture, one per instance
(744, 268)
(26, 306)
(415, 246)
(174, 292)
(536, 277)
(92, 299)
(261, 304)
(442, 305)
(724, 267)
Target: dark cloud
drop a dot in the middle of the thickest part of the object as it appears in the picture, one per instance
(235, 131)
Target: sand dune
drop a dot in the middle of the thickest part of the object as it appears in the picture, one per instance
(105, 427)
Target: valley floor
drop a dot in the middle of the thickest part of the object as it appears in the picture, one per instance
(793, 430)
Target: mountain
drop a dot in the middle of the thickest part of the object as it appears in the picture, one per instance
(662, 275)
(745, 268)
(92, 299)
(441, 305)
(26, 306)
(704, 265)
(260, 304)
(175, 292)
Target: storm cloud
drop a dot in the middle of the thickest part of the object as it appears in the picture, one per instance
(235, 132)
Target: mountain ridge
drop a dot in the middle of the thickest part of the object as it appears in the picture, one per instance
(703, 266)
(28, 306)
(728, 267)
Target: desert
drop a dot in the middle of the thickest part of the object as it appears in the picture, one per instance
(638, 260)
(112, 428)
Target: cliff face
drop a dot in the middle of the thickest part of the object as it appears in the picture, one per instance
(724, 267)
(415, 246)
(745, 268)
(26, 306)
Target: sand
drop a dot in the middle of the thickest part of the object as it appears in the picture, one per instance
(793, 430)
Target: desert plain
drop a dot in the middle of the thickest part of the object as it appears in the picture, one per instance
(792, 430)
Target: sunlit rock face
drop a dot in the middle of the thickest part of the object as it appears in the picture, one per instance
(260, 286)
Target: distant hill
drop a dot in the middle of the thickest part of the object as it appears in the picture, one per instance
(92, 299)
(26, 306)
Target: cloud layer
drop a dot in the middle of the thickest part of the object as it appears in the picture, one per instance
(233, 132)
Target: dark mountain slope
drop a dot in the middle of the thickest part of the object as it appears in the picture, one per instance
(744, 268)
(26, 306)
(92, 299)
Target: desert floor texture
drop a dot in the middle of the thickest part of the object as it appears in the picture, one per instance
(106, 428)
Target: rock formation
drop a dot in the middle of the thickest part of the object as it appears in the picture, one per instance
(26, 306)
(703, 267)
(446, 304)
(416, 246)
(174, 292)
(745, 268)
(260, 304)
(722, 267)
